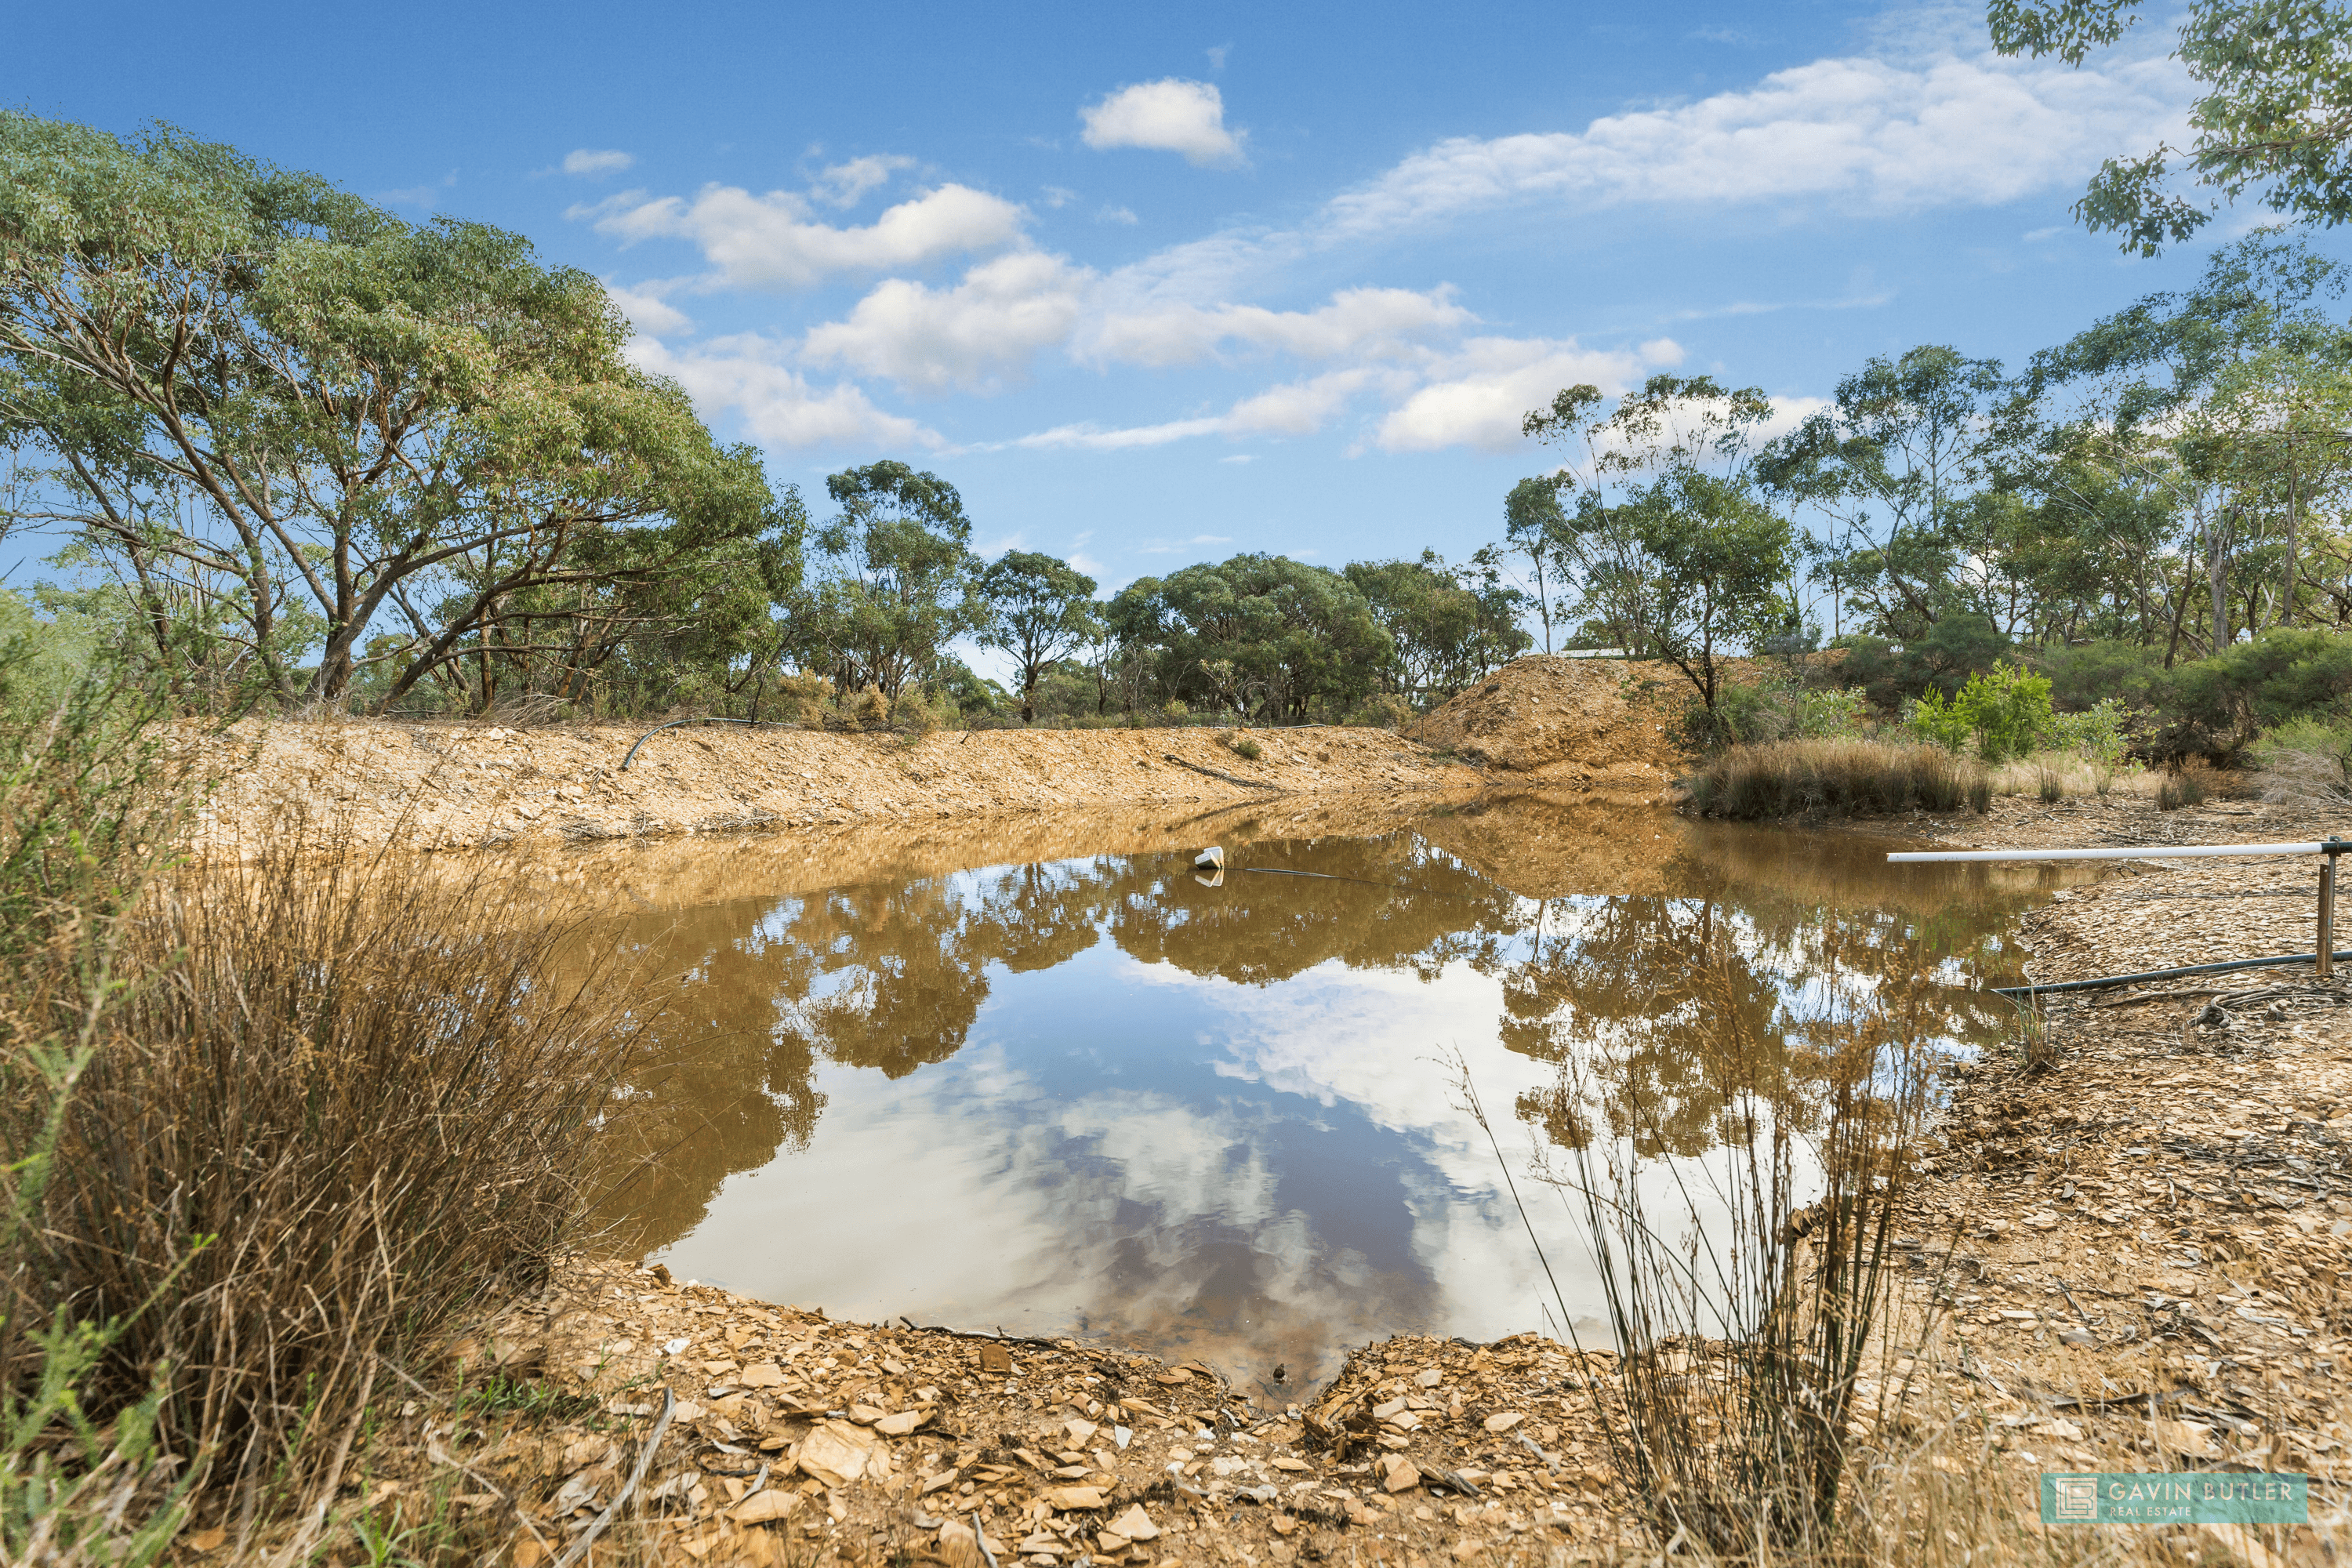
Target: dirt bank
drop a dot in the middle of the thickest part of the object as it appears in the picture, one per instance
(451, 785)
(1604, 727)
(1608, 724)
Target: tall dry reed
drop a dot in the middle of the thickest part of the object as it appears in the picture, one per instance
(1835, 778)
(1744, 1289)
(333, 1104)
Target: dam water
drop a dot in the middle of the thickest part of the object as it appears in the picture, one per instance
(1058, 1092)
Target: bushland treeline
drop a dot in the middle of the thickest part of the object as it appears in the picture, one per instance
(304, 452)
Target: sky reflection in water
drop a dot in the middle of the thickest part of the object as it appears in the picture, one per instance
(1092, 1096)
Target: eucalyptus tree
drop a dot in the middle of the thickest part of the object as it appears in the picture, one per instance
(239, 383)
(1535, 529)
(1255, 635)
(1892, 466)
(1449, 626)
(2275, 117)
(1040, 611)
(2224, 397)
(897, 580)
(1675, 554)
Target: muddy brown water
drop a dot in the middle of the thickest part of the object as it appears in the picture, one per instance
(1091, 1095)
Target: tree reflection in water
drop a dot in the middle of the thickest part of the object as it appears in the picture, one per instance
(1122, 988)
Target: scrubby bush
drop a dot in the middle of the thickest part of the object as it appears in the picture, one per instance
(2307, 762)
(2218, 705)
(1940, 659)
(2130, 674)
(1814, 778)
(2178, 788)
(1383, 710)
(1761, 711)
(2098, 732)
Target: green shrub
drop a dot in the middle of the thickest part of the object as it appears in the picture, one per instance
(1242, 746)
(1936, 722)
(2098, 732)
(2307, 762)
(2006, 709)
(2218, 705)
(1939, 659)
(1760, 712)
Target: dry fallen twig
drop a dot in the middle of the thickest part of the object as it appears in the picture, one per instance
(579, 1549)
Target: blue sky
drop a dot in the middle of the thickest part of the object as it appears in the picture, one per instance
(1152, 285)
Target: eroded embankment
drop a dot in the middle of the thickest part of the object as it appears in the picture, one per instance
(450, 785)
(1605, 729)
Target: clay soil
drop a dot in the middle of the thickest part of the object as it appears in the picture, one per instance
(451, 786)
(1552, 724)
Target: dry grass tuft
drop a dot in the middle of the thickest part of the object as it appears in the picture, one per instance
(1835, 778)
(336, 1107)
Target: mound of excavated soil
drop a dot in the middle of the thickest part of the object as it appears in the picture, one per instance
(1605, 723)
(447, 786)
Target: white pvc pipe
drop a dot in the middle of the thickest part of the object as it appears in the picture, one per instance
(2153, 852)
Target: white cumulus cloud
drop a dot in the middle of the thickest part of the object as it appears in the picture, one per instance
(1171, 115)
(1298, 408)
(1477, 396)
(596, 160)
(771, 242)
(748, 374)
(1004, 312)
(647, 310)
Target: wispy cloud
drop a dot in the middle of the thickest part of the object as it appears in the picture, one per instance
(845, 185)
(1863, 133)
(596, 161)
(426, 196)
(1773, 307)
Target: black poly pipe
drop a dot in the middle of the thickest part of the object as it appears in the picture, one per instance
(2163, 975)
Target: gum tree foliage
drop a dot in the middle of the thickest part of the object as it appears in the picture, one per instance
(1673, 550)
(1719, 566)
(2275, 117)
(896, 580)
(2224, 405)
(1041, 610)
(1257, 635)
(1892, 468)
(244, 389)
(1450, 627)
(1536, 530)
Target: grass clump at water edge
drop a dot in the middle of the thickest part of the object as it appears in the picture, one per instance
(275, 1129)
(1835, 778)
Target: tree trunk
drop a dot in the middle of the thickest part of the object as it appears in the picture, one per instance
(2294, 505)
(2217, 583)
